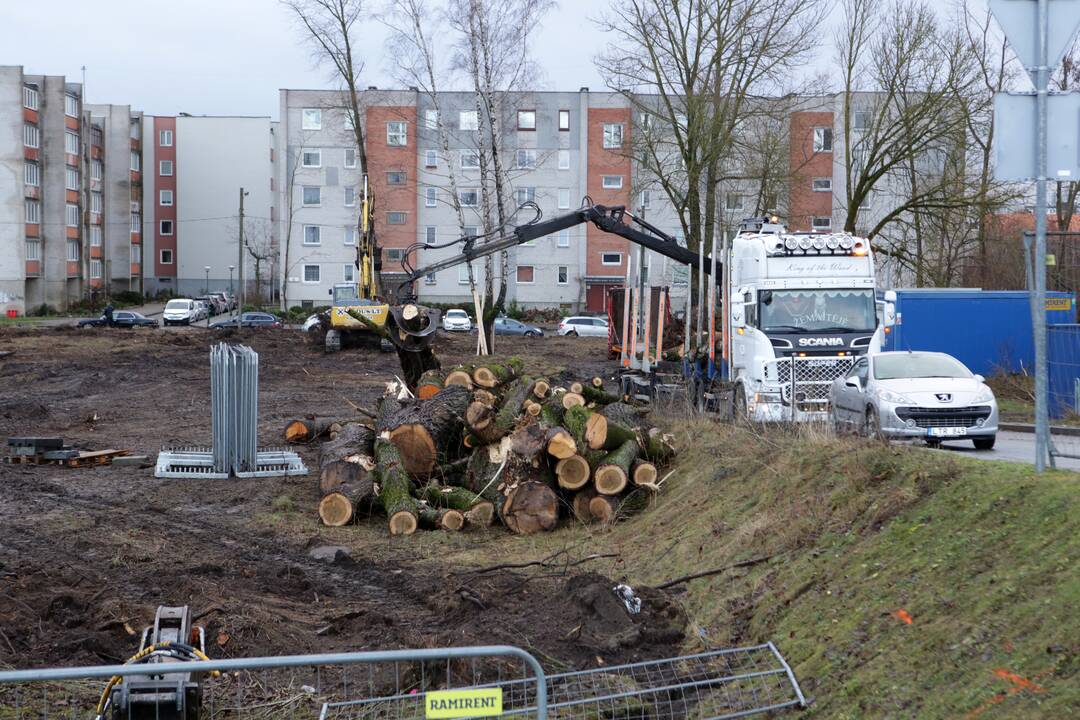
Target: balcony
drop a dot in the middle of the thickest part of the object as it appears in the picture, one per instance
(33, 268)
(74, 269)
(32, 192)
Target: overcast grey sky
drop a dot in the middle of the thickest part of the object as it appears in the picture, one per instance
(226, 57)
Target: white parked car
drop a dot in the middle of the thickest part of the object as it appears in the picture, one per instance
(926, 395)
(456, 321)
(180, 311)
(584, 325)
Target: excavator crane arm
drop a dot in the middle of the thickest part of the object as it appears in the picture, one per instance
(609, 218)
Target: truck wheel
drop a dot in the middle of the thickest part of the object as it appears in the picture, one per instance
(333, 340)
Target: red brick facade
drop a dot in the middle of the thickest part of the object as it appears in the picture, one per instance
(614, 162)
(804, 202)
(164, 242)
(384, 159)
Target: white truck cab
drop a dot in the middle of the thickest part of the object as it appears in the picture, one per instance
(802, 307)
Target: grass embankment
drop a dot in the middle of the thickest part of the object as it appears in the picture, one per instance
(899, 582)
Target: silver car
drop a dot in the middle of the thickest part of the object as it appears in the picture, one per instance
(918, 395)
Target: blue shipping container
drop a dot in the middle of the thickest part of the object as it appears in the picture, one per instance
(987, 330)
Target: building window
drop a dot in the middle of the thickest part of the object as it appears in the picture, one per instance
(613, 135)
(612, 182)
(33, 250)
(431, 197)
(95, 269)
(822, 185)
(71, 106)
(135, 130)
(350, 157)
(823, 223)
(431, 119)
(136, 161)
(95, 236)
(73, 251)
(524, 195)
(95, 202)
(564, 237)
(312, 195)
(526, 119)
(822, 139)
(463, 273)
(469, 197)
(71, 178)
(312, 273)
(312, 235)
(136, 223)
(525, 160)
(33, 211)
(431, 158)
(429, 279)
(31, 136)
(71, 143)
(71, 215)
(395, 218)
(165, 138)
(349, 237)
(348, 273)
(165, 198)
(564, 159)
(525, 274)
(350, 197)
(166, 257)
(733, 201)
(563, 275)
(467, 120)
(395, 178)
(32, 174)
(396, 134)
(96, 169)
(429, 235)
(136, 255)
(393, 255)
(564, 198)
(564, 119)
(30, 98)
(862, 120)
(165, 227)
(864, 203)
(312, 159)
(470, 160)
(96, 138)
(611, 258)
(311, 119)
(165, 168)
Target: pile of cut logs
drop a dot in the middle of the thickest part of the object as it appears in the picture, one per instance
(486, 442)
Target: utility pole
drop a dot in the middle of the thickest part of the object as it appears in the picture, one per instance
(1042, 418)
(646, 300)
(240, 259)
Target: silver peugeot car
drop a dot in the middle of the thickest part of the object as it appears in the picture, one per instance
(926, 395)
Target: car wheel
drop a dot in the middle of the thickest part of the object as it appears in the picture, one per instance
(572, 333)
(530, 333)
(871, 424)
(984, 443)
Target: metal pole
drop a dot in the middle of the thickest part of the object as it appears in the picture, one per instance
(1042, 419)
(240, 259)
(712, 309)
(687, 326)
(624, 341)
(641, 283)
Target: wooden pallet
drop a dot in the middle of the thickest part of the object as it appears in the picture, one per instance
(84, 459)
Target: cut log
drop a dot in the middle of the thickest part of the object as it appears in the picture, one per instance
(576, 387)
(485, 396)
(440, 518)
(461, 375)
(430, 383)
(339, 506)
(429, 431)
(494, 374)
(552, 411)
(541, 389)
(656, 445)
(598, 395)
(508, 413)
(475, 509)
(395, 489)
(626, 415)
(348, 459)
(643, 472)
(597, 382)
(530, 507)
(613, 473)
(580, 504)
(532, 409)
(560, 443)
(306, 429)
(570, 399)
(572, 472)
(575, 420)
(602, 508)
(479, 415)
(607, 508)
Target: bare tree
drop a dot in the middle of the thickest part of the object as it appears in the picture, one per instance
(1065, 79)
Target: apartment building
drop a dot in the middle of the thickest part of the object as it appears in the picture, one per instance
(194, 169)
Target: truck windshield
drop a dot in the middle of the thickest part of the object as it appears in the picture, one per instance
(818, 310)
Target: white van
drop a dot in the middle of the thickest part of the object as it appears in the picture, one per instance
(179, 311)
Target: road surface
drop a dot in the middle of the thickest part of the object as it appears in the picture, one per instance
(1017, 447)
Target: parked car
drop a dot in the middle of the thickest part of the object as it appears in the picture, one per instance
(227, 300)
(584, 325)
(925, 395)
(249, 319)
(179, 311)
(509, 326)
(202, 309)
(215, 303)
(121, 318)
(456, 321)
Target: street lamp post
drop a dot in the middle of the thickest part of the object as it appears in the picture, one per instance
(206, 287)
(231, 296)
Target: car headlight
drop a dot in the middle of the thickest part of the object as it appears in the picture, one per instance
(892, 397)
(985, 394)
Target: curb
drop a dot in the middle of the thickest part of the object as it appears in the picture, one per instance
(1030, 428)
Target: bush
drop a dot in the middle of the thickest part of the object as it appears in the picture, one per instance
(127, 298)
(515, 311)
(42, 310)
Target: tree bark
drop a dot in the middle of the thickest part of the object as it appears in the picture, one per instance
(348, 459)
(440, 518)
(460, 375)
(613, 472)
(306, 429)
(476, 509)
(429, 431)
(597, 395)
(508, 413)
(581, 502)
(431, 382)
(607, 508)
(395, 489)
(495, 374)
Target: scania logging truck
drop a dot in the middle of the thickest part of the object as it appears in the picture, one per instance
(803, 306)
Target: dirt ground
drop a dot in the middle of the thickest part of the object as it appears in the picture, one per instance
(86, 555)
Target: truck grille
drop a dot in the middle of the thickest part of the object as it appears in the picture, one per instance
(813, 377)
(965, 417)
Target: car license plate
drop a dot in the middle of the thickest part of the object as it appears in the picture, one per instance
(947, 432)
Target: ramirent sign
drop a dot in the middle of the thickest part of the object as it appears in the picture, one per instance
(463, 703)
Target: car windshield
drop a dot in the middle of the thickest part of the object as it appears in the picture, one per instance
(918, 365)
(178, 305)
(456, 313)
(817, 310)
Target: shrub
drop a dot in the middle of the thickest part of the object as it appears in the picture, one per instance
(42, 310)
(127, 297)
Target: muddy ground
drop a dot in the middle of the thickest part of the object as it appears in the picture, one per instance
(86, 555)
